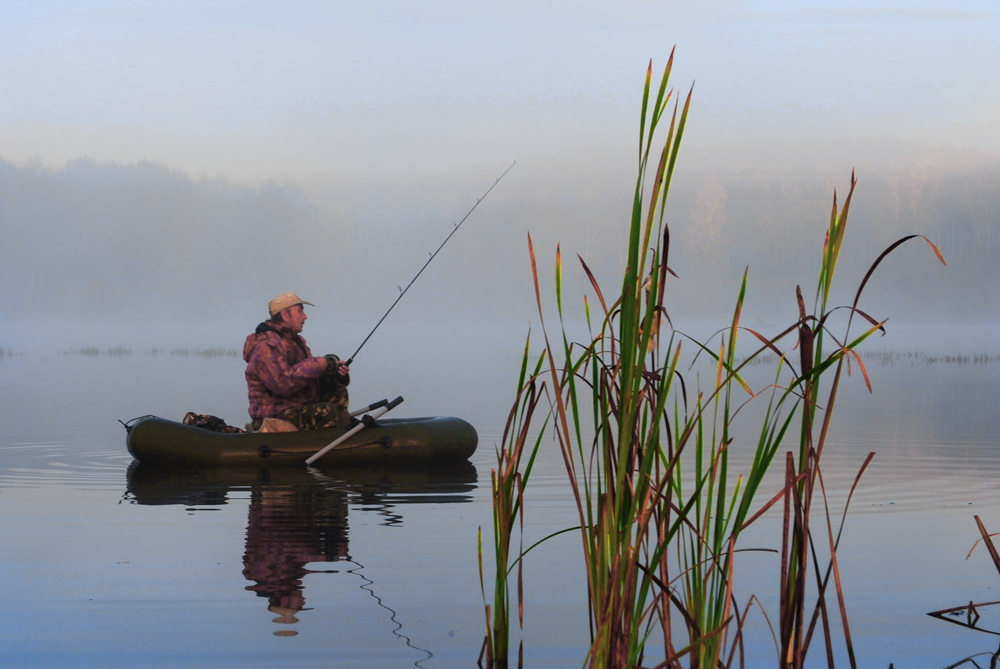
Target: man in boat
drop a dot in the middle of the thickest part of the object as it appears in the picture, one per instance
(285, 380)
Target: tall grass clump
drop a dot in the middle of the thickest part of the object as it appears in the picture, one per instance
(507, 483)
(803, 476)
(647, 452)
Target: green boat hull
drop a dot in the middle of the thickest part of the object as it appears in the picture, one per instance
(154, 440)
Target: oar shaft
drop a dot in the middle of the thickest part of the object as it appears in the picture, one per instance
(353, 431)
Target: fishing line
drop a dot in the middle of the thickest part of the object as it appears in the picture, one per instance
(367, 587)
(403, 291)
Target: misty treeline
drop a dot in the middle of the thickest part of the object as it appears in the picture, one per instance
(101, 239)
(774, 222)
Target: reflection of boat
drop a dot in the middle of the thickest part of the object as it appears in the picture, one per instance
(159, 485)
(298, 518)
(430, 440)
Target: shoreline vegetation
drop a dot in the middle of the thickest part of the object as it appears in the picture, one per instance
(878, 358)
(660, 513)
(118, 351)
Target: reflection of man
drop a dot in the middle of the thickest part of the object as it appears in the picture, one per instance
(287, 529)
(285, 380)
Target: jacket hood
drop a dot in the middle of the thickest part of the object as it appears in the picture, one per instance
(264, 331)
(259, 335)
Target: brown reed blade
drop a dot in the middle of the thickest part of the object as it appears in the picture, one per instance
(774, 500)
(805, 335)
(871, 320)
(972, 616)
(534, 273)
(482, 652)
(937, 251)
(881, 257)
(850, 495)
(841, 602)
(989, 543)
(827, 636)
(861, 364)
(767, 342)
(976, 544)
(824, 581)
(596, 286)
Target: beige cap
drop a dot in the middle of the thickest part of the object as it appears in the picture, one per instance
(285, 300)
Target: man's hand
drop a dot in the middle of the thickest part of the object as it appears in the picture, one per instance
(336, 366)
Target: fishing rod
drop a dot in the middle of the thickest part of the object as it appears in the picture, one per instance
(403, 291)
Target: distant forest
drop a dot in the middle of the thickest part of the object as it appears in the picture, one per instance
(97, 238)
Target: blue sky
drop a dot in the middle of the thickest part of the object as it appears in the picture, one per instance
(299, 89)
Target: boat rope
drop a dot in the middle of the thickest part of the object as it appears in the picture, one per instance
(130, 423)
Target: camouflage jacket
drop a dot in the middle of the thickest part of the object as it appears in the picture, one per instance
(281, 371)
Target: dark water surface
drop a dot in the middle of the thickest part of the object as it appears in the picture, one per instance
(105, 563)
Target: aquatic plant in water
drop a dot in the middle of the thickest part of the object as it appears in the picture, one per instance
(660, 515)
(507, 483)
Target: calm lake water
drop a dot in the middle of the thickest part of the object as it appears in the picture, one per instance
(107, 564)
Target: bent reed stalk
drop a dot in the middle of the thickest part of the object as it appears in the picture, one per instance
(660, 515)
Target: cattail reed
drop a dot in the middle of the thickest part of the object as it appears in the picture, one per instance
(660, 513)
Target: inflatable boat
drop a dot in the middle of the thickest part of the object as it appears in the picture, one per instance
(154, 440)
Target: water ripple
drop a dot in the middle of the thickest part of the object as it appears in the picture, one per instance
(78, 465)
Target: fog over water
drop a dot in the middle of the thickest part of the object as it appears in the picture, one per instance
(140, 244)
